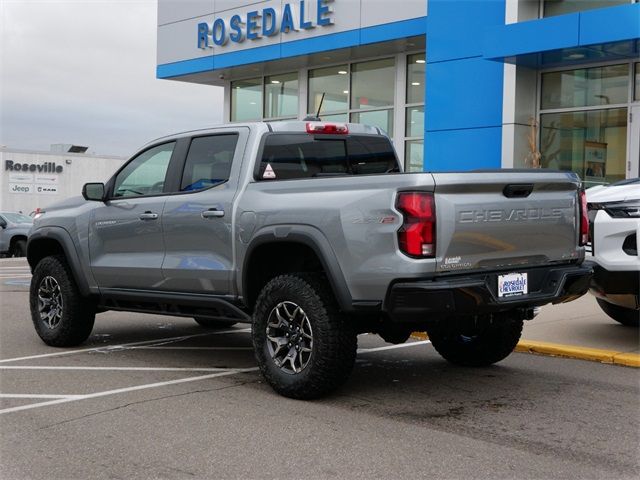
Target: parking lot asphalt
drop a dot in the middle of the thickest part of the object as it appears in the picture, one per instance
(159, 397)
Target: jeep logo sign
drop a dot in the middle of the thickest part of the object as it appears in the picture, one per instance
(45, 167)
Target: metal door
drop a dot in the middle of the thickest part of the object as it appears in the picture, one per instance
(125, 234)
(198, 221)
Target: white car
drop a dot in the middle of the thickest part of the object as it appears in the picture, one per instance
(614, 217)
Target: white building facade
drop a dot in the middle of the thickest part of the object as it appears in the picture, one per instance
(31, 179)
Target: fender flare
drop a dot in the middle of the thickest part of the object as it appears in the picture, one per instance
(312, 238)
(62, 237)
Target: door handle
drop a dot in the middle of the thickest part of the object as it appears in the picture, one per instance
(148, 216)
(212, 212)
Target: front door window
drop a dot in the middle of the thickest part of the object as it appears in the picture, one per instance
(145, 174)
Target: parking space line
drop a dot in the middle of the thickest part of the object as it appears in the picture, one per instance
(123, 346)
(190, 348)
(126, 390)
(115, 369)
(391, 347)
(35, 395)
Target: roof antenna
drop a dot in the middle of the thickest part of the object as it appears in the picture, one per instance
(311, 118)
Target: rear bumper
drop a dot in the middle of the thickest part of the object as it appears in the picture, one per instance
(427, 300)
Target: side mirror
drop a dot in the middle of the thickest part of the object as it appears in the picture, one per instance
(93, 191)
(3, 223)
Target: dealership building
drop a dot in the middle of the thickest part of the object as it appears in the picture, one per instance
(33, 179)
(457, 84)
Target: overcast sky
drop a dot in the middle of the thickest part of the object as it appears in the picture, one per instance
(83, 72)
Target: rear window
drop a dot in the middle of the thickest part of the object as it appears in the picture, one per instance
(291, 156)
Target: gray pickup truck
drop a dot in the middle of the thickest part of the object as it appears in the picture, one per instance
(310, 232)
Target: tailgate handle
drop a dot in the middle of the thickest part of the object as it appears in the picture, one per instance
(521, 190)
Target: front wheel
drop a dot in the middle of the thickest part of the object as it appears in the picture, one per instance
(61, 316)
(467, 344)
(305, 348)
(626, 316)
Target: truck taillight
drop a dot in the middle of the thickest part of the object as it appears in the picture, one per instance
(417, 235)
(321, 127)
(584, 219)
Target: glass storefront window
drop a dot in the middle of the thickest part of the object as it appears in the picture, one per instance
(281, 95)
(336, 117)
(637, 94)
(246, 100)
(334, 83)
(415, 122)
(585, 87)
(378, 118)
(591, 143)
(415, 78)
(561, 7)
(413, 155)
(373, 84)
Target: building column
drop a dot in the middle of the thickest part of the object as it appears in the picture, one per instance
(463, 107)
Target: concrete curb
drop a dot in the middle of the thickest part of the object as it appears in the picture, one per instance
(569, 351)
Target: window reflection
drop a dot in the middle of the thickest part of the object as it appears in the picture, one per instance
(246, 100)
(413, 154)
(585, 87)
(415, 78)
(561, 7)
(591, 143)
(334, 83)
(281, 95)
(373, 84)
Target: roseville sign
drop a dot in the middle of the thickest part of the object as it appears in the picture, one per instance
(44, 167)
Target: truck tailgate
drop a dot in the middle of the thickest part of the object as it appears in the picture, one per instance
(505, 219)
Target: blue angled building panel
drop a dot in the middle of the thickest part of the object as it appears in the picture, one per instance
(463, 98)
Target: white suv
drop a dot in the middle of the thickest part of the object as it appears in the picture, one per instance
(614, 216)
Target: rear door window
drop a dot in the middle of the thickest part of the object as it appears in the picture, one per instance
(208, 161)
(294, 156)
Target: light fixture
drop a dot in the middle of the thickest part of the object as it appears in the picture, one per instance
(275, 81)
(252, 103)
(345, 91)
(576, 56)
(420, 61)
(342, 72)
(415, 84)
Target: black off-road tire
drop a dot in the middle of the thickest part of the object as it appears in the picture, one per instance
(333, 351)
(484, 347)
(626, 316)
(214, 324)
(78, 312)
(19, 248)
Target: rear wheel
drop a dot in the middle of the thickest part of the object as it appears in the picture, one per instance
(626, 316)
(467, 344)
(304, 346)
(18, 248)
(213, 324)
(61, 316)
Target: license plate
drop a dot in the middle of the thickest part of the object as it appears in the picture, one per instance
(512, 284)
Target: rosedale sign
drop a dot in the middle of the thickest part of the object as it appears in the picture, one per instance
(303, 15)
